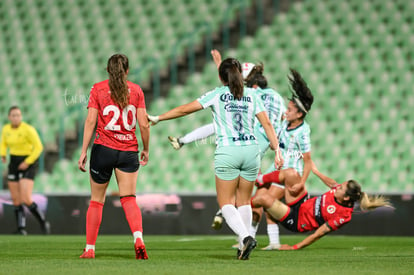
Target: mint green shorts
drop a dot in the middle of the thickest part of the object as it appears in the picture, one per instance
(233, 161)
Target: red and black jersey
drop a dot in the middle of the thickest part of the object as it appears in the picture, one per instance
(116, 126)
(323, 209)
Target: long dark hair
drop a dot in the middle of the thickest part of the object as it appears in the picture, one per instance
(256, 77)
(230, 74)
(301, 94)
(354, 192)
(117, 69)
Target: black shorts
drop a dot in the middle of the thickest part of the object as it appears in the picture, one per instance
(15, 174)
(291, 221)
(105, 159)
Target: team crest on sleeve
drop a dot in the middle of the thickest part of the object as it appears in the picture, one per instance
(331, 209)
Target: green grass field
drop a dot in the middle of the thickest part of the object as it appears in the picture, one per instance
(205, 255)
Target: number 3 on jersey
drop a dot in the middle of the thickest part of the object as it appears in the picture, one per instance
(112, 126)
(237, 122)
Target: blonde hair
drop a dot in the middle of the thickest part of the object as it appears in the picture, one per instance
(354, 192)
(370, 202)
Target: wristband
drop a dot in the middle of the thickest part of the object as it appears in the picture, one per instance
(295, 247)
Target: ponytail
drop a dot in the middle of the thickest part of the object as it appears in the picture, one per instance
(301, 94)
(117, 69)
(230, 74)
(369, 203)
(354, 193)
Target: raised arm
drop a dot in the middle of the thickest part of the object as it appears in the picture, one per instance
(319, 233)
(216, 57)
(331, 183)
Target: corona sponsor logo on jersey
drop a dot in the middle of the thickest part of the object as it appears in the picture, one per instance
(230, 97)
(267, 97)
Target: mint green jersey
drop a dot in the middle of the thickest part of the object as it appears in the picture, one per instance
(293, 143)
(274, 105)
(234, 120)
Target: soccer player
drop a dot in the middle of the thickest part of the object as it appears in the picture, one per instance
(237, 159)
(295, 145)
(115, 106)
(25, 148)
(325, 213)
(275, 107)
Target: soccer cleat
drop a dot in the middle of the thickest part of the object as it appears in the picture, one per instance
(90, 254)
(249, 243)
(271, 246)
(175, 142)
(21, 231)
(140, 252)
(217, 221)
(46, 228)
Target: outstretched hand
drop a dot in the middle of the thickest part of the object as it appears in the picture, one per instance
(216, 57)
(153, 119)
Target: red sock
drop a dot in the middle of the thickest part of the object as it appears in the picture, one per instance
(132, 213)
(251, 202)
(271, 177)
(93, 221)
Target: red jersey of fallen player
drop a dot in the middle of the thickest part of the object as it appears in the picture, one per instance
(323, 209)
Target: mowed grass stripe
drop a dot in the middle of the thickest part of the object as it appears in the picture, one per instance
(205, 254)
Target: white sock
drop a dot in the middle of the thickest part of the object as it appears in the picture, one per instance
(138, 234)
(234, 221)
(253, 228)
(198, 134)
(273, 233)
(247, 216)
(90, 246)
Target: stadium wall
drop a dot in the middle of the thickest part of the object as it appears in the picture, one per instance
(186, 215)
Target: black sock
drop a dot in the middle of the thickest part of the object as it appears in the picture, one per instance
(20, 216)
(35, 212)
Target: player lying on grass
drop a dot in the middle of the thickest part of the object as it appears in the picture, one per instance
(325, 213)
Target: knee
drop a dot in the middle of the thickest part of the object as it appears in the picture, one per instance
(296, 189)
(263, 200)
(291, 173)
